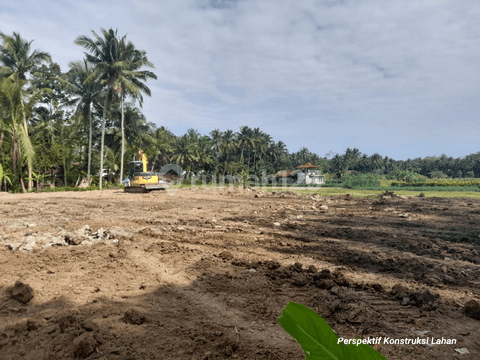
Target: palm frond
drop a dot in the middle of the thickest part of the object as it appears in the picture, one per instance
(26, 148)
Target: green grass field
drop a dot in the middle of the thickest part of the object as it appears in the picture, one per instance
(369, 193)
(364, 193)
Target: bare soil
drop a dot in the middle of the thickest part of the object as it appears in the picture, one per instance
(203, 274)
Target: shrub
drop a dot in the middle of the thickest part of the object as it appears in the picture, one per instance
(440, 182)
(333, 183)
(361, 181)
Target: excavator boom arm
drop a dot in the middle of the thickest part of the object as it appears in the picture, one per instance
(143, 158)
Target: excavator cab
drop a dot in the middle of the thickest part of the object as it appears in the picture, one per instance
(135, 167)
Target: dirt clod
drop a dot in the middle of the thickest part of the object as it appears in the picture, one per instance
(399, 290)
(134, 317)
(227, 255)
(90, 325)
(472, 309)
(84, 345)
(35, 324)
(21, 292)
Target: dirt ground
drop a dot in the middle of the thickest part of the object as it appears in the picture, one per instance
(203, 274)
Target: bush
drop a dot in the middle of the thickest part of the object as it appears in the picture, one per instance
(415, 187)
(440, 182)
(361, 181)
(333, 183)
(408, 176)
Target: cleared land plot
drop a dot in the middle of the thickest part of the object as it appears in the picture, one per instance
(203, 274)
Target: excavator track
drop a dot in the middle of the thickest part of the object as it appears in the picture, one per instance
(135, 189)
(145, 188)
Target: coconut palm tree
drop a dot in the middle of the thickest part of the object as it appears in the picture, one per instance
(162, 145)
(303, 155)
(117, 63)
(17, 62)
(376, 161)
(185, 151)
(138, 132)
(131, 83)
(245, 140)
(262, 143)
(11, 115)
(216, 141)
(338, 164)
(84, 94)
(16, 57)
(229, 141)
(276, 151)
(204, 152)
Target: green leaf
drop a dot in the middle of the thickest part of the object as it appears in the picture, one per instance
(317, 338)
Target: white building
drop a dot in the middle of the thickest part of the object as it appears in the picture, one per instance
(304, 174)
(310, 174)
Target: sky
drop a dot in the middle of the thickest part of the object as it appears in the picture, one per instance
(399, 78)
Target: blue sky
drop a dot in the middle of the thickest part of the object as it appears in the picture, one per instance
(401, 78)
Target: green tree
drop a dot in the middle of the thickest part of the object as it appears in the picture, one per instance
(17, 61)
(12, 112)
(216, 141)
(83, 94)
(137, 133)
(244, 140)
(161, 145)
(117, 63)
(376, 161)
(185, 152)
(4, 178)
(229, 141)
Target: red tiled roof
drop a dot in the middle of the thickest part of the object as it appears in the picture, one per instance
(306, 166)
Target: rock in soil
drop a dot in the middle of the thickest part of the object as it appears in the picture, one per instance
(84, 345)
(90, 325)
(227, 255)
(35, 324)
(399, 290)
(134, 317)
(21, 292)
(472, 309)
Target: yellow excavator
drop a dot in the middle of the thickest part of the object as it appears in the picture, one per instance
(140, 180)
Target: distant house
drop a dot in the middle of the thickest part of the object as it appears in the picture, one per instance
(311, 174)
(303, 174)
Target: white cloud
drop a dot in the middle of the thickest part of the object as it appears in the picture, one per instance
(392, 77)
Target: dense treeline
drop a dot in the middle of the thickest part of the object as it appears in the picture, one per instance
(65, 126)
(434, 167)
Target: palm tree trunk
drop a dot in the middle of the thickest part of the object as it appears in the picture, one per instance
(225, 168)
(1, 141)
(123, 142)
(64, 172)
(16, 160)
(89, 140)
(21, 183)
(104, 118)
(15, 155)
(30, 181)
(85, 130)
